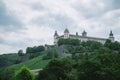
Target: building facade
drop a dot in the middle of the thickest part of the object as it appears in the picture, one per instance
(82, 37)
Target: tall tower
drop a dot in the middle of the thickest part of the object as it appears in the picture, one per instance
(111, 37)
(55, 38)
(66, 33)
(84, 34)
(76, 33)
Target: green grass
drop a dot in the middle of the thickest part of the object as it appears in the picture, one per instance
(8, 59)
(35, 63)
(12, 56)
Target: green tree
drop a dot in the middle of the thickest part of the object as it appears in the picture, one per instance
(56, 71)
(88, 70)
(20, 52)
(35, 49)
(24, 74)
(107, 43)
(29, 50)
(44, 75)
(91, 46)
(103, 50)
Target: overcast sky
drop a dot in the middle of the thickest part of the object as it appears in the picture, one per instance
(26, 23)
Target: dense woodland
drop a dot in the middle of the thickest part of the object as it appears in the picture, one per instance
(89, 61)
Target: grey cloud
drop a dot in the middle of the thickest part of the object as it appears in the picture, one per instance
(2, 41)
(8, 22)
(116, 4)
(56, 21)
(96, 10)
(37, 6)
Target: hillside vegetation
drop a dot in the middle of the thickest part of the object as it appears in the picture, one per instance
(34, 63)
(89, 60)
(16, 58)
(8, 59)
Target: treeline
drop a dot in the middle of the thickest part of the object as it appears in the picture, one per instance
(69, 41)
(34, 49)
(89, 46)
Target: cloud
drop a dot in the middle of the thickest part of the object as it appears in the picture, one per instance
(6, 18)
(116, 4)
(28, 23)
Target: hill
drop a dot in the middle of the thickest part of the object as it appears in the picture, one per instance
(8, 59)
(74, 59)
(34, 63)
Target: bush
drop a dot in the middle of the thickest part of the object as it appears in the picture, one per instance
(24, 74)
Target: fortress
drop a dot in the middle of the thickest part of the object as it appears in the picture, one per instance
(82, 37)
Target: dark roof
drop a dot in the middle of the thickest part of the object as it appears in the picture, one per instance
(111, 34)
(84, 32)
(66, 31)
(55, 33)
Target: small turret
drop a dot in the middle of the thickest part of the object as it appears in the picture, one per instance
(84, 34)
(111, 36)
(66, 33)
(56, 34)
(55, 38)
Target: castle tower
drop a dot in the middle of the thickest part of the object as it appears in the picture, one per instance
(55, 38)
(66, 33)
(84, 34)
(76, 33)
(111, 37)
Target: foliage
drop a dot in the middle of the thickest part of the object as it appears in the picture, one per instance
(91, 46)
(8, 59)
(90, 61)
(34, 63)
(55, 70)
(20, 53)
(35, 49)
(112, 45)
(24, 74)
(52, 54)
(88, 70)
(44, 75)
(7, 74)
(68, 42)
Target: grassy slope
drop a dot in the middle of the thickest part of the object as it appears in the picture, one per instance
(7, 59)
(35, 63)
(11, 56)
